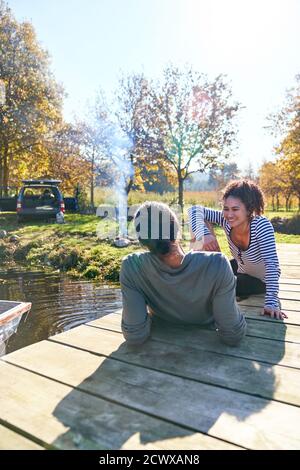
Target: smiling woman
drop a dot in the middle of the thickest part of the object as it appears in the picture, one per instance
(251, 241)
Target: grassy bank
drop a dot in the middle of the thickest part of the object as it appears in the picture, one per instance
(75, 247)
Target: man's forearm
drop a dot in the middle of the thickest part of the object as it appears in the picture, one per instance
(136, 334)
(233, 336)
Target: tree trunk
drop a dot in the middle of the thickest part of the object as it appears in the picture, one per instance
(299, 202)
(5, 169)
(277, 202)
(180, 201)
(287, 200)
(180, 192)
(1, 176)
(131, 177)
(273, 202)
(129, 185)
(92, 179)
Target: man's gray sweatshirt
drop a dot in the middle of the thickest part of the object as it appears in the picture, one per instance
(201, 291)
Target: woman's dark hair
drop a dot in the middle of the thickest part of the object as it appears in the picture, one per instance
(249, 193)
(157, 227)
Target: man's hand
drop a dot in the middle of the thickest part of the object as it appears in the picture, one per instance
(210, 243)
(274, 313)
(207, 243)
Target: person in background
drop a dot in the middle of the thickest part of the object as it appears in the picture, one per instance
(251, 240)
(189, 288)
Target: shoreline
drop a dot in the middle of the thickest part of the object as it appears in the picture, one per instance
(74, 247)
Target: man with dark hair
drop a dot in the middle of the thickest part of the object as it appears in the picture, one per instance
(194, 288)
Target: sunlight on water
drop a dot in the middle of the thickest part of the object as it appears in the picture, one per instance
(58, 303)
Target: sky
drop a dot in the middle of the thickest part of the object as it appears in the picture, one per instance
(255, 43)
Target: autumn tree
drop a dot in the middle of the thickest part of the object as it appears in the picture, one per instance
(289, 147)
(221, 175)
(285, 126)
(249, 172)
(119, 130)
(291, 163)
(189, 122)
(32, 106)
(133, 105)
(93, 148)
(270, 183)
(286, 121)
(65, 158)
(286, 182)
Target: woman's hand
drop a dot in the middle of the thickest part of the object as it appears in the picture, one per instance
(274, 313)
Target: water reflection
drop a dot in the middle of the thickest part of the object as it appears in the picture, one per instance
(58, 303)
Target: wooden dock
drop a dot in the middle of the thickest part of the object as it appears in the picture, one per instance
(183, 389)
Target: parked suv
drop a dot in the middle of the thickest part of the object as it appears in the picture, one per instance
(39, 199)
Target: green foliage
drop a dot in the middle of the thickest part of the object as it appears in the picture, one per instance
(82, 199)
(288, 226)
(64, 258)
(190, 122)
(23, 251)
(282, 177)
(219, 177)
(32, 106)
(35, 141)
(5, 252)
(92, 272)
(75, 248)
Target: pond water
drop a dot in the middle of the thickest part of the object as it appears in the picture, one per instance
(58, 303)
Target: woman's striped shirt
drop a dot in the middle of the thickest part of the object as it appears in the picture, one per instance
(259, 260)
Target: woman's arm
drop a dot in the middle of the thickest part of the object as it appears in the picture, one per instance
(198, 215)
(266, 240)
(200, 219)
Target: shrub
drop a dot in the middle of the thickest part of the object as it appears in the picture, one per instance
(23, 251)
(289, 226)
(5, 253)
(65, 258)
(92, 272)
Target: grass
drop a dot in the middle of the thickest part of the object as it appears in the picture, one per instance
(206, 198)
(283, 214)
(73, 247)
(279, 237)
(83, 245)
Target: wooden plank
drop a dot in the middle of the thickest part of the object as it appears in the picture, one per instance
(289, 256)
(280, 383)
(7, 305)
(245, 420)
(11, 310)
(258, 349)
(266, 328)
(290, 294)
(289, 288)
(285, 247)
(71, 419)
(291, 252)
(288, 280)
(258, 301)
(255, 313)
(291, 272)
(288, 262)
(10, 440)
(273, 330)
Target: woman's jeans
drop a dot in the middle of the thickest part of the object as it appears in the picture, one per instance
(245, 284)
